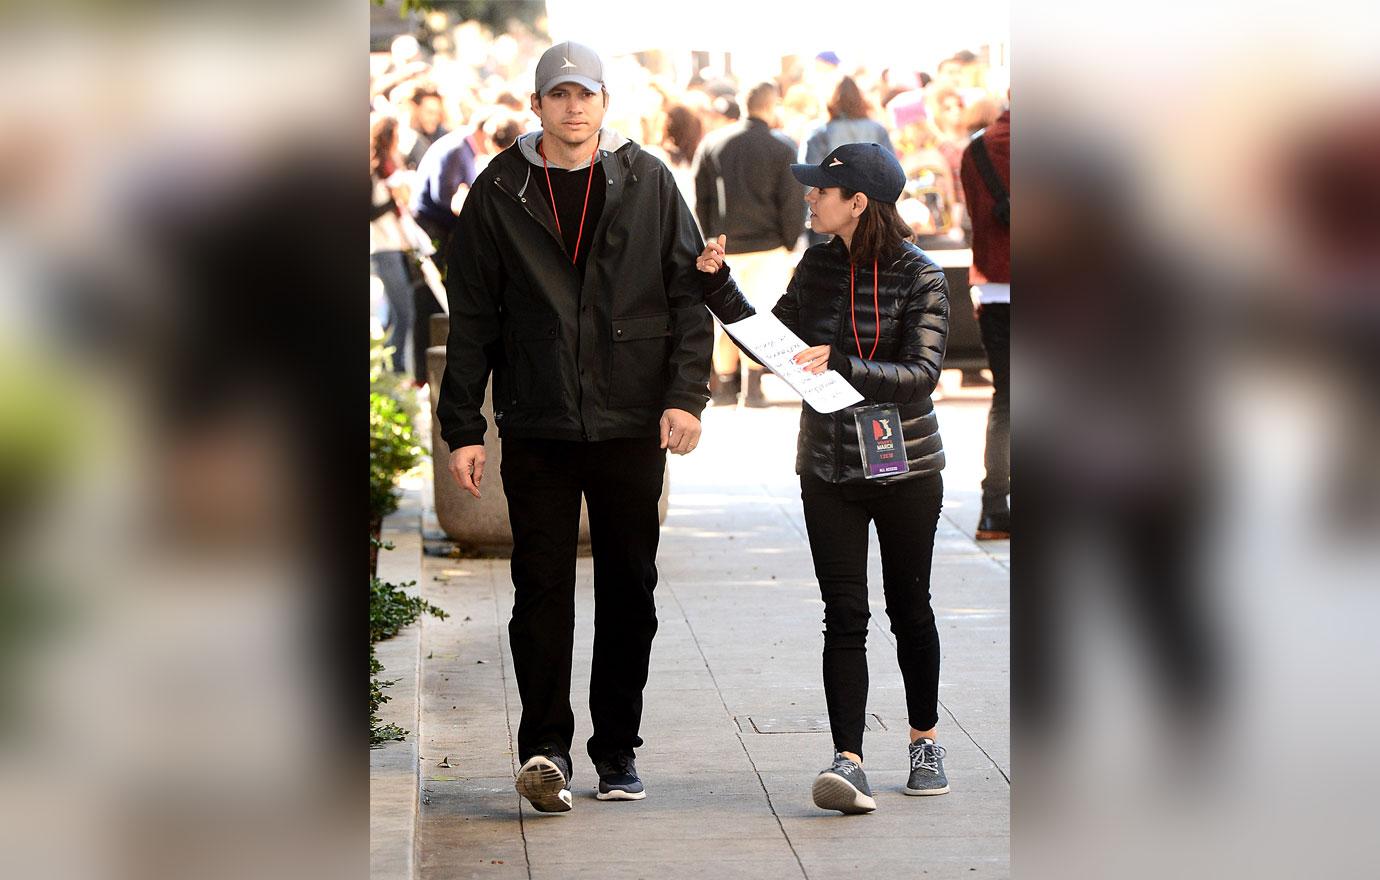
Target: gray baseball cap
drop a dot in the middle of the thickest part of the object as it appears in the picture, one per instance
(569, 62)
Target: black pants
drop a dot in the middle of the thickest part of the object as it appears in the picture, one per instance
(994, 322)
(906, 515)
(621, 483)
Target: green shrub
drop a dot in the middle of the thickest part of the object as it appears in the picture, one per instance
(390, 609)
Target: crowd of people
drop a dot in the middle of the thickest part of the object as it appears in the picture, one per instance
(440, 111)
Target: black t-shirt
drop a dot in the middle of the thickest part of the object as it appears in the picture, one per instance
(569, 187)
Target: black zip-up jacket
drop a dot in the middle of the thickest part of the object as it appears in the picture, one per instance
(744, 188)
(596, 359)
(913, 301)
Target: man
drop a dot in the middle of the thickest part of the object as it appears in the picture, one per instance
(425, 114)
(991, 285)
(744, 190)
(444, 177)
(449, 167)
(572, 277)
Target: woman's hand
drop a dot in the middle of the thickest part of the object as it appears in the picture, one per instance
(712, 259)
(814, 359)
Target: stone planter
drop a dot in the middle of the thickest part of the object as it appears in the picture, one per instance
(480, 525)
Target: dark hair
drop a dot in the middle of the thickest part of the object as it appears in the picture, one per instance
(879, 233)
(848, 101)
(925, 79)
(422, 92)
(383, 136)
(760, 96)
(684, 130)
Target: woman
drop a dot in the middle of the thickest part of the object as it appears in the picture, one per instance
(390, 248)
(890, 346)
(849, 122)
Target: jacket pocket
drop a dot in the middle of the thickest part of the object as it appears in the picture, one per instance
(534, 366)
(641, 347)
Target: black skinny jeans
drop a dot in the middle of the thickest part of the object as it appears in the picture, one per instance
(621, 482)
(906, 514)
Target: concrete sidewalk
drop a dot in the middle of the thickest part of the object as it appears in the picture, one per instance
(735, 719)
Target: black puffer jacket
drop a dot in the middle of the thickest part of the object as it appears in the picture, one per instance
(596, 358)
(913, 303)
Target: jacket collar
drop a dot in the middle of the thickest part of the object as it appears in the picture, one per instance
(610, 141)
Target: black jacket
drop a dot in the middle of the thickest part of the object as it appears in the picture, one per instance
(744, 188)
(572, 360)
(914, 306)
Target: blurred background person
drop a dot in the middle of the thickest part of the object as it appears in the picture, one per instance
(392, 257)
(744, 189)
(986, 176)
(850, 122)
(450, 167)
(423, 111)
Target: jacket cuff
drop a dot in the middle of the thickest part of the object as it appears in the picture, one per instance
(840, 363)
(455, 441)
(691, 403)
(710, 283)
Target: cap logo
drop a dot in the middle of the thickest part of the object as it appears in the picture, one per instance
(568, 63)
(835, 162)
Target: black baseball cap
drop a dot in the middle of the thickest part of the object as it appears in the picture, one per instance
(866, 168)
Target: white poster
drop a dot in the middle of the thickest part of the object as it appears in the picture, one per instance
(772, 343)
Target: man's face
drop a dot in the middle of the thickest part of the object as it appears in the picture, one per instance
(570, 113)
(951, 74)
(428, 115)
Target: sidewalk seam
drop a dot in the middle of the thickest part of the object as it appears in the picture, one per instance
(508, 717)
(887, 636)
(737, 731)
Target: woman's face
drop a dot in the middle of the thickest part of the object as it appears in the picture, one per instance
(952, 111)
(830, 212)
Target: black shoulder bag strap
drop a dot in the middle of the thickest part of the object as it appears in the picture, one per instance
(1002, 207)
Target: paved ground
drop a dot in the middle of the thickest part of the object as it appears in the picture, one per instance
(735, 718)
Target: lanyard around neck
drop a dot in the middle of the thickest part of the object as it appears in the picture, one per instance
(853, 312)
(541, 148)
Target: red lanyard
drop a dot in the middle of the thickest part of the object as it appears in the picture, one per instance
(541, 148)
(853, 312)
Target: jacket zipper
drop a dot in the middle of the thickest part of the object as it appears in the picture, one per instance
(498, 184)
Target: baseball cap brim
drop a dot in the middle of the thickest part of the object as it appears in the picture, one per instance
(813, 175)
(585, 81)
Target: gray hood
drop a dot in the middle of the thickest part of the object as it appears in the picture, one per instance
(610, 141)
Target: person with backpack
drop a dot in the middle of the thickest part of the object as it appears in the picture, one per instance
(986, 176)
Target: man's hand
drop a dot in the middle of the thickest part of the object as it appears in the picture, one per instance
(467, 466)
(712, 259)
(680, 431)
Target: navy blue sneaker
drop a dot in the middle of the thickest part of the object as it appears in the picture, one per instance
(843, 787)
(545, 781)
(618, 779)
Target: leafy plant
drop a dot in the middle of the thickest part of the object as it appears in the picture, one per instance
(379, 733)
(390, 609)
(393, 448)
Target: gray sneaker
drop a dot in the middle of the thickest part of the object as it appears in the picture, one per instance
(843, 787)
(926, 769)
(545, 781)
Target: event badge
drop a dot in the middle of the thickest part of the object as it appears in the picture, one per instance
(879, 437)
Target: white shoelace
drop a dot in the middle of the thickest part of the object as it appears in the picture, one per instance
(926, 757)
